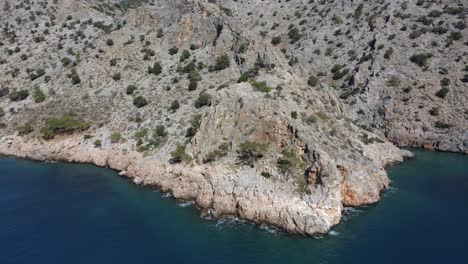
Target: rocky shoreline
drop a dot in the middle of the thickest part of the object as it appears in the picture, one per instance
(216, 190)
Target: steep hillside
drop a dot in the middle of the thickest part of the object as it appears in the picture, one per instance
(279, 112)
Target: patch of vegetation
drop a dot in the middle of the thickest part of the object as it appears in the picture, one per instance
(313, 80)
(442, 93)
(261, 86)
(20, 95)
(214, 155)
(116, 137)
(249, 152)
(204, 99)
(67, 123)
(131, 89)
(222, 62)
(140, 101)
(156, 69)
(179, 155)
(38, 95)
(442, 125)
(421, 59)
(290, 162)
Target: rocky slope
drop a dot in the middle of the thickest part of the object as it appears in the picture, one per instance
(279, 112)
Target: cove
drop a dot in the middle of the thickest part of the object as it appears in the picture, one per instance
(74, 213)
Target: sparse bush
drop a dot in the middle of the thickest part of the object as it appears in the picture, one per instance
(109, 42)
(38, 95)
(261, 86)
(116, 137)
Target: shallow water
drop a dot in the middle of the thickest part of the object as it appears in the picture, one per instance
(68, 213)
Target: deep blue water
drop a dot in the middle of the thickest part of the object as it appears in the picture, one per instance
(68, 213)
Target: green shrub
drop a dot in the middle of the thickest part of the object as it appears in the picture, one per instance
(192, 85)
(290, 162)
(131, 89)
(97, 143)
(276, 40)
(140, 101)
(179, 155)
(249, 152)
(442, 125)
(388, 53)
(20, 95)
(160, 131)
(195, 125)
(175, 106)
(313, 80)
(109, 42)
(203, 99)
(294, 115)
(156, 69)
(222, 62)
(75, 78)
(117, 76)
(173, 50)
(38, 95)
(67, 123)
(116, 137)
(442, 93)
(294, 35)
(434, 111)
(65, 61)
(421, 59)
(25, 129)
(185, 55)
(261, 86)
(266, 174)
(214, 155)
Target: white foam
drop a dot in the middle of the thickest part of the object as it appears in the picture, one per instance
(186, 204)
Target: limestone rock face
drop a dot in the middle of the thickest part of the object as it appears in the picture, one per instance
(279, 112)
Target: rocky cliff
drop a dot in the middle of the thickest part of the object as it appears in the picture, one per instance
(279, 112)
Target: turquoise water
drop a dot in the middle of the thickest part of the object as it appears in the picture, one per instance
(66, 213)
